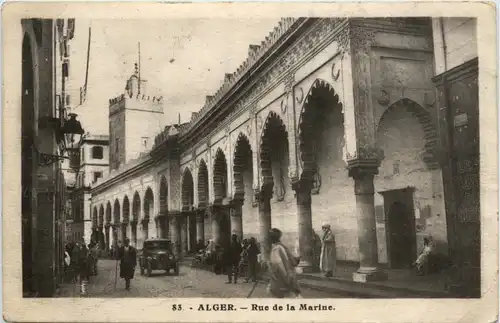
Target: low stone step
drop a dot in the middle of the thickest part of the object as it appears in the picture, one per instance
(372, 289)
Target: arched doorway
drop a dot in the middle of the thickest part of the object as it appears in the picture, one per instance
(324, 179)
(187, 197)
(410, 180)
(125, 218)
(274, 161)
(136, 210)
(243, 179)
(221, 225)
(27, 163)
(148, 212)
(163, 220)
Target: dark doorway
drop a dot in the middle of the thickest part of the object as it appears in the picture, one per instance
(400, 227)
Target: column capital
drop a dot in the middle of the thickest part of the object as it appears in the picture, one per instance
(367, 160)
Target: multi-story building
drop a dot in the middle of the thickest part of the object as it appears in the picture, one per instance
(457, 108)
(44, 70)
(93, 165)
(327, 121)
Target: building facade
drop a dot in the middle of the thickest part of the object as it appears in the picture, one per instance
(327, 121)
(43, 183)
(456, 80)
(93, 164)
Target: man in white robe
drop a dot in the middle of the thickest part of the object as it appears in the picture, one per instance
(328, 257)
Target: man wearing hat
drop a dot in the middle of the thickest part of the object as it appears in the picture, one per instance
(328, 253)
(128, 260)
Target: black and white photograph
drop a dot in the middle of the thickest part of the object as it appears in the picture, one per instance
(279, 157)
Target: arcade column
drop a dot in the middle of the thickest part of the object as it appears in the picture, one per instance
(367, 233)
(302, 190)
(183, 219)
(214, 214)
(114, 234)
(200, 226)
(145, 229)
(163, 225)
(175, 232)
(107, 229)
(123, 231)
(236, 213)
(263, 198)
(133, 233)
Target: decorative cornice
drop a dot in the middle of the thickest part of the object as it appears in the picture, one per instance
(322, 32)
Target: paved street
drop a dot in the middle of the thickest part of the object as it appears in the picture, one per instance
(190, 283)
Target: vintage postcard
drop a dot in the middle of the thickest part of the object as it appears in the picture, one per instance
(250, 162)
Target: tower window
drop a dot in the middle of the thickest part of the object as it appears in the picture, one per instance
(97, 152)
(97, 175)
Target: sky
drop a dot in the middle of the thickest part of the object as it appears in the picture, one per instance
(184, 59)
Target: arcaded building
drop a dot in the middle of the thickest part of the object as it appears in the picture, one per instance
(326, 121)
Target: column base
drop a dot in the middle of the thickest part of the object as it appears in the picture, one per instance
(364, 275)
(306, 267)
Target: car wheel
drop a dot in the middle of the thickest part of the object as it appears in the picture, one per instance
(149, 269)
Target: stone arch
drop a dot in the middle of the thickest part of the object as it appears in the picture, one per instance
(425, 120)
(148, 204)
(220, 176)
(136, 207)
(187, 191)
(242, 161)
(274, 132)
(108, 213)
(202, 184)
(126, 210)
(116, 212)
(94, 217)
(101, 216)
(163, 198)
(320, 100)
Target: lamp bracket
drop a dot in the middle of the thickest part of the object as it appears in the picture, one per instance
(48, 159)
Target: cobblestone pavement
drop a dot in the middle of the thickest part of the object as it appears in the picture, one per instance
(190, 283)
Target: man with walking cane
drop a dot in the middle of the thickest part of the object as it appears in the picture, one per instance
(127, 256)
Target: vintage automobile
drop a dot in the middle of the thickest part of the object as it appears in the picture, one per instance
(158, 254)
